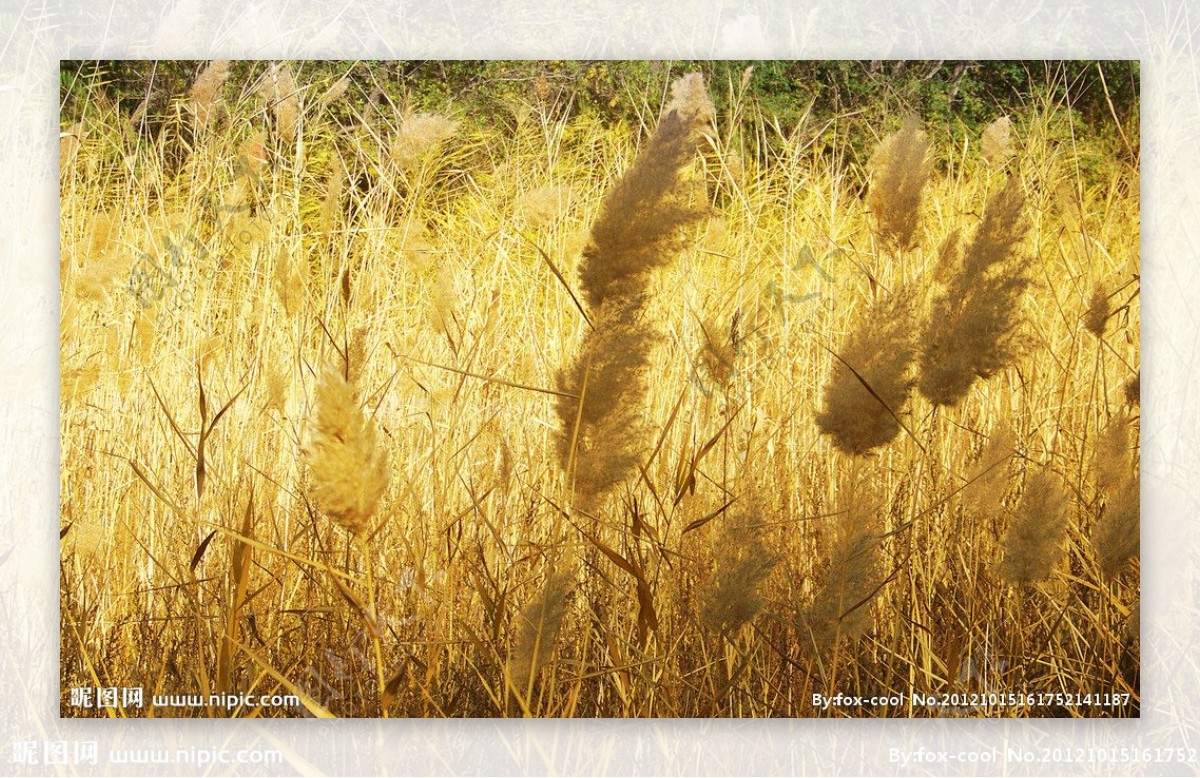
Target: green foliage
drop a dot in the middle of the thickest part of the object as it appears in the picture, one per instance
(956, 98)
(971, 91)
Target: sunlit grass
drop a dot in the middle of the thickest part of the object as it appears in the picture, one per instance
(214, 272)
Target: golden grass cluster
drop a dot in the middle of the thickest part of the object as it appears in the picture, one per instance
(407, 414)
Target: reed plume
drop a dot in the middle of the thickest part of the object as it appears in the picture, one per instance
(996, 142)
(1117, 535)
(282, 95)
(348, 470)
(720, 349)
(289, 281)
(1113, 462)
(418, 136)
(542, 205)
(1098, 311)
(742, 563)
(1033, 543)
(253, 155)
(946, 265)
(205, 95)
(537, 627)
(331, 206)
(603, 436)
(335, 92)
(899, 169)
(989, 476)
(842, 606)
(640, 218)
(970, 330)
(871, 380)
(1133, 390)
(601, 429)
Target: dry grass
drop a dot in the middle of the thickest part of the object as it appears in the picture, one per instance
(414, 418)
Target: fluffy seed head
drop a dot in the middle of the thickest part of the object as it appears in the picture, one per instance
(640, 218)
(947, 264)
(283, 97)
(970, 331)
(690, 100)
(1033, 543)
(418, 136)
(742, 563)
(605, 437)
(899, 169)
(1133, 390)
(288, 280)
(348, 471)
(870, 383)
(1098, 311)
(69, 143)
(253, 154)
(332, 204)
(996, 142)
(842, 606)
(989, 476)
(206, 92)
(1117, 537)
(537, 627)
(1114, 454)
(335, 92)
(602, 432)
(542, 205)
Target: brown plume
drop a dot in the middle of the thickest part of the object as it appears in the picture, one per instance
(602, 432)
(871, 379)
(899, 169)
(970, 329)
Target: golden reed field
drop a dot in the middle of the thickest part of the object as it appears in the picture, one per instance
(377, 412)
